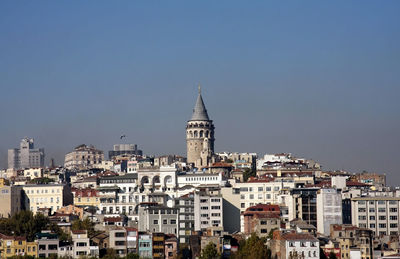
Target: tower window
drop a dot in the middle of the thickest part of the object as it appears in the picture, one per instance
(195, 134)
(201, 133)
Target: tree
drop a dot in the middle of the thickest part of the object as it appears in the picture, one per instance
(254, 247)
(332, 255)
(85, 224)
(132, 256)
(209, 252)
(248, 173)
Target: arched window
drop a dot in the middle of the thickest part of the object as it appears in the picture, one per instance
(206, 133)
(195, 133)
(191, 134)
(201, 133)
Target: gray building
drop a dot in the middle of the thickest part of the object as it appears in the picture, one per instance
(10, 200)
(157, 218)
(26, 156)
(47, 244)
(185, 205)
(124, 149)
(118, 241)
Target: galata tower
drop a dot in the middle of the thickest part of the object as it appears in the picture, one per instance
(200, 136)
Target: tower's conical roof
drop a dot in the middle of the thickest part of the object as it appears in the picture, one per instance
(199, 111)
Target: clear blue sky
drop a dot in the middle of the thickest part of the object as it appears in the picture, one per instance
(318, 79)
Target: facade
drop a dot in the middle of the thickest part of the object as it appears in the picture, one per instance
(200, 136)
(379, 214)
(294, 245)
(47, 244)
(26, 156)
(158, 245)
(157, 218)
(10, 200)
(50, 196)
(83, 157)
(124, 149)
(16, 246)
(131, 239)
(86, 197)
(118, 241)
(185, 206)
(329, 209)
(145, 245)
(261, 219)
(231, 208)
(208, 209)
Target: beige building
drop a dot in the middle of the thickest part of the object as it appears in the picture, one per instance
(10, 200)
(51, 196)
(83, 157)
(200, 136)
(380, 214)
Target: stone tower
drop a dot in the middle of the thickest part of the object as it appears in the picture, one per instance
(200, 135)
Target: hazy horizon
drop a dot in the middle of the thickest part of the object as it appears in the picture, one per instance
(316, 79)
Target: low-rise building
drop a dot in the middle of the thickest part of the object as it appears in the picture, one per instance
(294, 245)
(145, 245)
(118, 239)
(261, 219)
(47, 244)
(50, 196)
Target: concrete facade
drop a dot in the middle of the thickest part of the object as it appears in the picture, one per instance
(26, 156)
(10, 200)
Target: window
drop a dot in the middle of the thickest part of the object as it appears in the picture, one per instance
(155, 222)
(251, 196)
(268, 196)
(242, 196)
(268, 189)
(260, 189)
(361, 202)
(382, 217)
(381, 209)
(393, 225)
(371, 217)
(371, 225)
(393, 217)
(362, 210)
(393, 210)
(264, 230)
(362, 217)
(392, 202)
(372, 210)
(215, 207)
(291, 244)
(382, 225)
(242, 205)
(173, 221)
(381, 202)
(165, 221)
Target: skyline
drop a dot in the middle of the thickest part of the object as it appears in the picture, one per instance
(282, 78)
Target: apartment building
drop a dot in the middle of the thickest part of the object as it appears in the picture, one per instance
(47, 244)
(50, 196)
(208, 209)
(294, 245)
(86, 197)
(261, 219)
(329, 209)
(83, 157)
(380, 214)
(158, 218)
(185, 206)
(145, 245)
(118, 241)
(11, 200)
(261, 192)
(16, 246)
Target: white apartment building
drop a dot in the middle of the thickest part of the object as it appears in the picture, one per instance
(208, 210)
(262, 191)
(329, 210)
(380, 214)
(52, 196)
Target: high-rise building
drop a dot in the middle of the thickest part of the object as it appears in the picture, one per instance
(26, 156)
(200, 135)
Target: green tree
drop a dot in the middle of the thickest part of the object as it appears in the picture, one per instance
(85, 224)
(332, 255)
(209, 252)
(132, 256)
(249, 173)
(254, 247)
